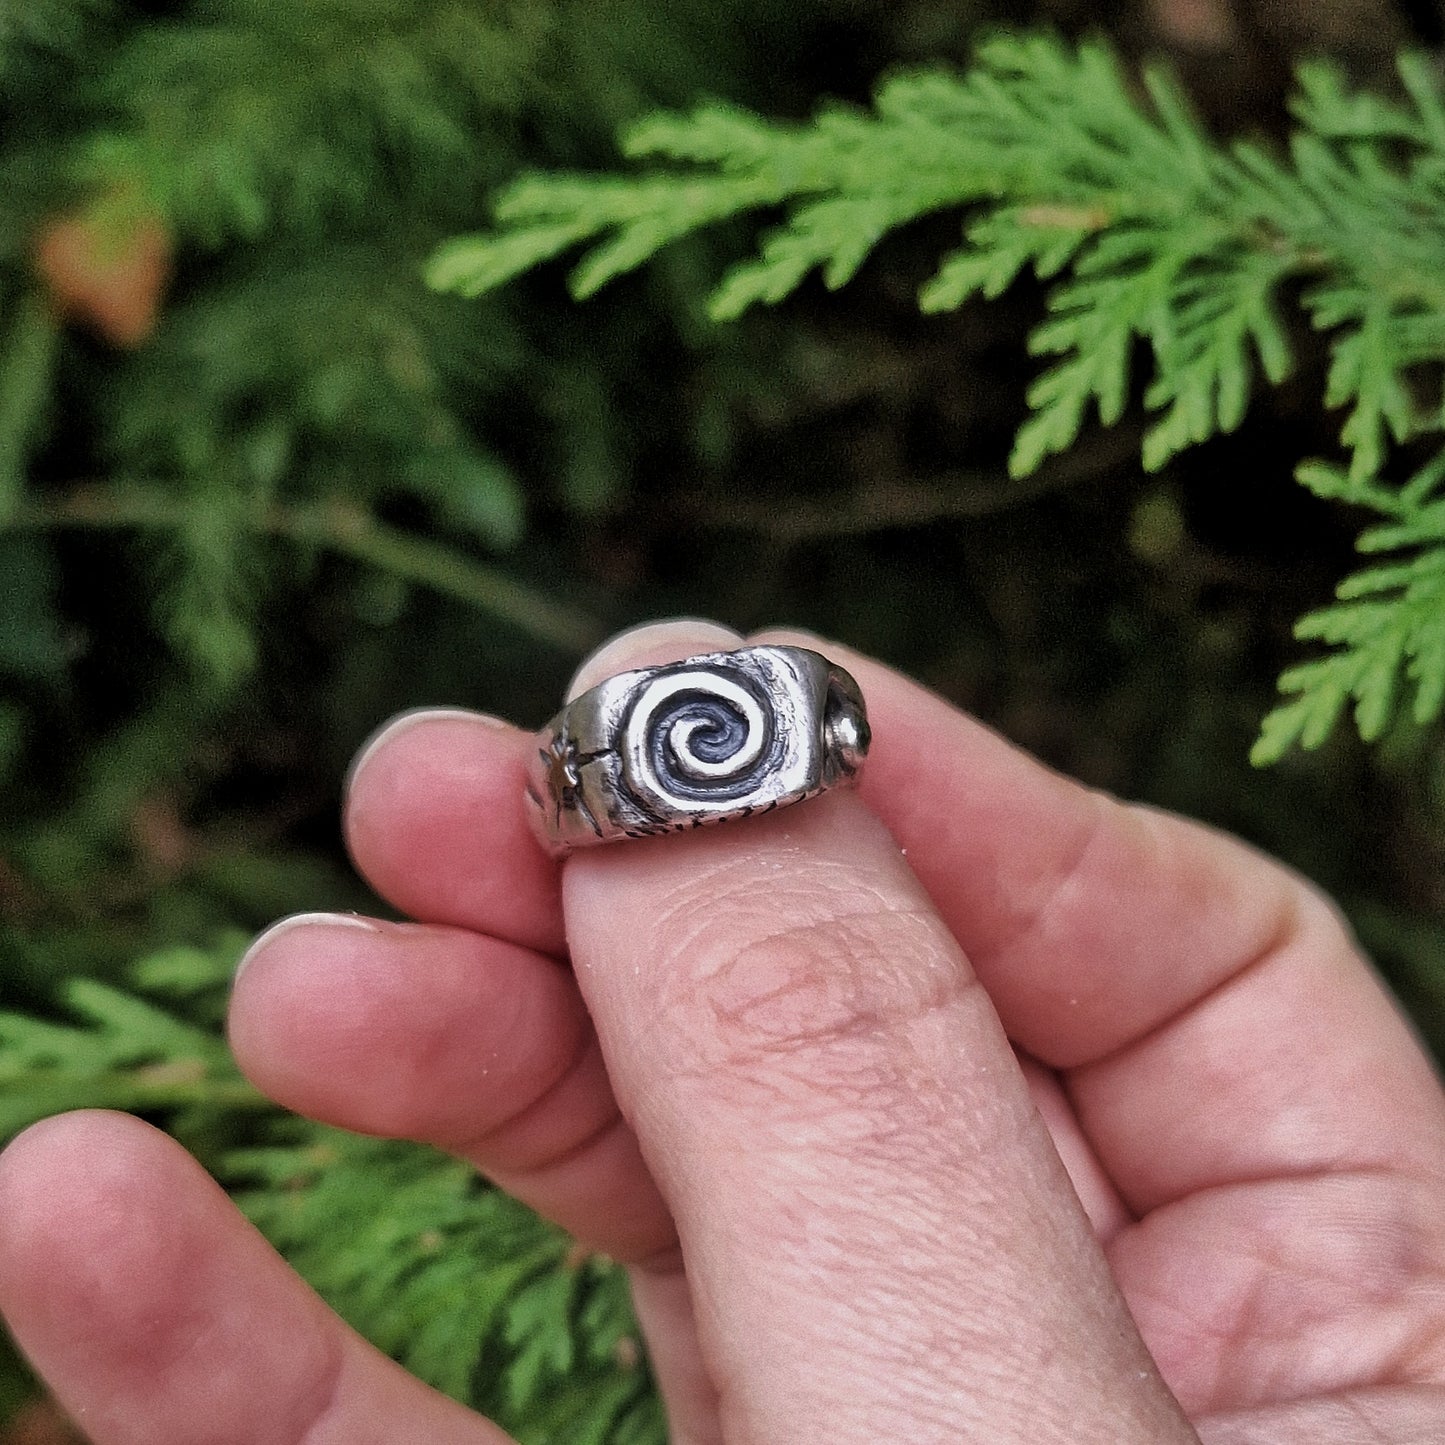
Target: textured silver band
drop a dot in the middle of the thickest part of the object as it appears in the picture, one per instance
(721, 736)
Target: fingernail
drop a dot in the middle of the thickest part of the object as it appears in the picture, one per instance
(651, 644)
(404, 722)
(794, 636)
(312, 920)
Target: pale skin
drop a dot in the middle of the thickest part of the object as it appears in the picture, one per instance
(973, 1106)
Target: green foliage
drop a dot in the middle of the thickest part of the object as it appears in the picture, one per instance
(1388, 625)
(1147, 230)
(467, 1288)
(122, 1052)
(297, 162)
(252, 115)
(289, 382)
(46, 28)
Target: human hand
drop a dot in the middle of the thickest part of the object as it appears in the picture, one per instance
(838, 1091)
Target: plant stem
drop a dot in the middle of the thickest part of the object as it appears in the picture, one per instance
(342, 528)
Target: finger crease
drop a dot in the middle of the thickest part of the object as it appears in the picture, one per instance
(1069, 874)
(589, 1141)
(1284, 933)
(580, 1056)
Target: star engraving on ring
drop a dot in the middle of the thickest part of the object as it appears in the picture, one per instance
(563, 763)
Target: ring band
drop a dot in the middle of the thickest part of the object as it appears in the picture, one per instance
(720, 736)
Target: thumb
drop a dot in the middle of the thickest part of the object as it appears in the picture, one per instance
(881, 1241)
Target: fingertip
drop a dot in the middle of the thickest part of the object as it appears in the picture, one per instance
(73, 1188)
(652, 644)
(267, 938)
(74, 1146)
(403, 722)
(786, 636)
(435, 819)
(152, 1308)
(307, 1004)
(405, 1031)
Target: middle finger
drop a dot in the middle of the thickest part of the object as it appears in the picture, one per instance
(451, 1038)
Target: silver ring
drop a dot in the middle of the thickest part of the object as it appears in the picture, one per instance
(721, 736)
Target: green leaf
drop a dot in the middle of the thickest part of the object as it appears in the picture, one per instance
(1366, 374)
(1004, 243)
(1216, 317)
(1389, 624)
(474, 265)
(120, 1051)
(1325, 104)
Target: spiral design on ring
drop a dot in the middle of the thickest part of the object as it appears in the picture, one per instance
(703, 738)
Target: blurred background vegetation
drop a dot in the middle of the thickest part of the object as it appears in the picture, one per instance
(259, 489)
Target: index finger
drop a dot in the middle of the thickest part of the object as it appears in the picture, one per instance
(1214, 1018)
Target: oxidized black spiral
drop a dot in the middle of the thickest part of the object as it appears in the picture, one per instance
(706, 737)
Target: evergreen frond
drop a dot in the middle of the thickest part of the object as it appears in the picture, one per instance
(114, 1049)
(257, 116)
(314, 375)
(463, 1285)
(1387, 628)
(1157, 244)
(203, 603)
